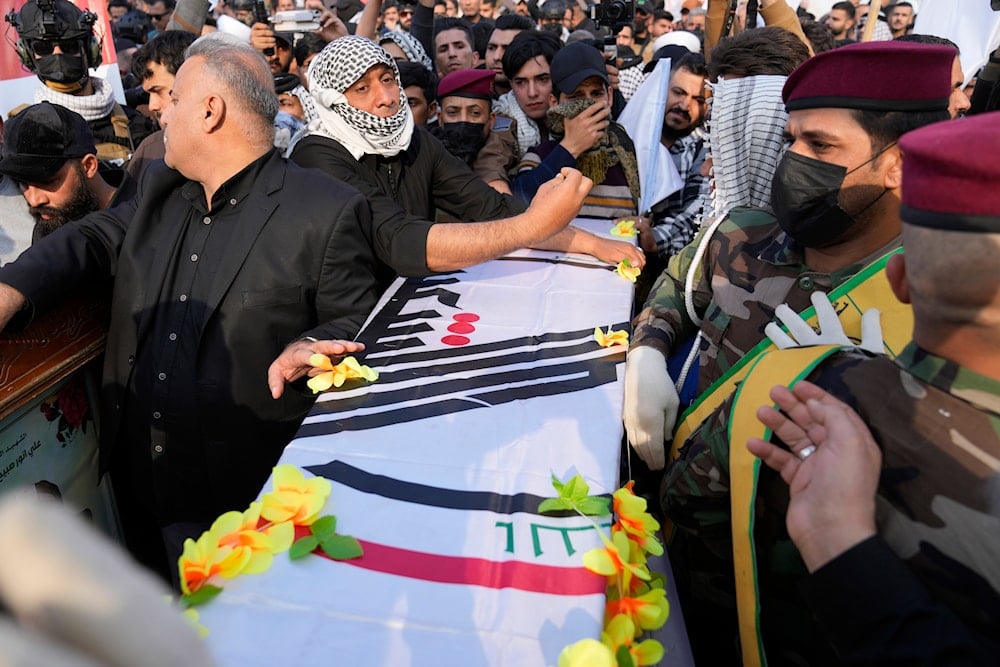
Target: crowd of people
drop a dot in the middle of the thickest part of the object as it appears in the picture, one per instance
(266, 180)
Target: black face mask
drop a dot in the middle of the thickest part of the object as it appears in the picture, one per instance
(61, 68)
(805, 196)
(463, 140)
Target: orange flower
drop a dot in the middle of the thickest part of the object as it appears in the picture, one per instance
(621, 632)
(232, 546)
(627, 271)
(611, 338)
(205, 559)
(625, 229)
(618, 557)
(337, 375)
(635, 521)
(295, 498)
(648, 611)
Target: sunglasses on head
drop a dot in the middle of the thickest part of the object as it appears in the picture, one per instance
(43, 47)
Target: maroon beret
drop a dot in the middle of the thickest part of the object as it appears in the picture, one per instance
(951, 175)
(874, 76)
(473, 83)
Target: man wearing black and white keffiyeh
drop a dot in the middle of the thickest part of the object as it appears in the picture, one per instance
(364, 135)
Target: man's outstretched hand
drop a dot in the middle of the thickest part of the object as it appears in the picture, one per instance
(293, 363)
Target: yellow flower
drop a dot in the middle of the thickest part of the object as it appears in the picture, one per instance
(611, 338)
(335, 376)
(621, 632)
(634, 520)
(627, 271)
(587, 653)
(625, 229)
(648, 611)
(619, 556)
(239, 531)
(205, 559)
(294, 498)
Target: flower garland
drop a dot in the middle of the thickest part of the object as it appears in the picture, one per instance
(246, 542)
(636, 599)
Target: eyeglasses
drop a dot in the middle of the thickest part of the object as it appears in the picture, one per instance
(43, 47)
(157, 17)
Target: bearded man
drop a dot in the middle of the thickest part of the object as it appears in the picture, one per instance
(49, 152)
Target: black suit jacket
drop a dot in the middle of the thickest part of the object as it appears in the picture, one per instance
(301, 266)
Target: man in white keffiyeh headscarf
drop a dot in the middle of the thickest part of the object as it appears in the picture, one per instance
(352, 82)
(364, 135)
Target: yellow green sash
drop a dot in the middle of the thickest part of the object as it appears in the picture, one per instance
(784, 367)
(869, 288)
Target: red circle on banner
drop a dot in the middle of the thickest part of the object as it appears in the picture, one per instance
(461, 328)
(466, 317)
(455, 340)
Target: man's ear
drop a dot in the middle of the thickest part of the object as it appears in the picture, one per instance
(552, 100)
(894, 174)
(214, 110)
(432, 109)
(895, 271)
(90, 165)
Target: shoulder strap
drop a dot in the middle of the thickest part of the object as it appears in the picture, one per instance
(784, 367)
(869, 288)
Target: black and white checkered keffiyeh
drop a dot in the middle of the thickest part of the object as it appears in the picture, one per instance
(335, 69)
(747, 140)
(409, 45)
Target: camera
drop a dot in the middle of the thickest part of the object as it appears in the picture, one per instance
(296, 20)
(613, 14)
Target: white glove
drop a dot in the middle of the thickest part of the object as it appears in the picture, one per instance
(651, 404)
(831, 331)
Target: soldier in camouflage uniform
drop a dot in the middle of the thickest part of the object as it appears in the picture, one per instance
(844, 125)
(910, 575)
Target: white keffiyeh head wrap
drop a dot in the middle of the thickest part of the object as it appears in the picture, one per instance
(747, 129)
(409, 45)
(335, 69)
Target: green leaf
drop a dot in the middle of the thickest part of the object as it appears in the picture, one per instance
(324, 526)
(341, 547)
(595, 506)
(556, 484)
(576, 489)
(199, 597)
(554, 505)
(303, 547)
(623, 657)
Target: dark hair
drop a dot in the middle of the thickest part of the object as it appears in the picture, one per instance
(481, 31)
(768, 50)
(846, 7)
(165, 49)
(168, 5)
(305, 46)
(415, 74)
(662, 14)
(927, 39)
(514, 21)
(901, 4)
(120, 3)
(528, 45)
(692, 62)
(819, 35)
(886, 127)
(453, 23)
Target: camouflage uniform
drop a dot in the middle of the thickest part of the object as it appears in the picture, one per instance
(749, 269)
(938, 426)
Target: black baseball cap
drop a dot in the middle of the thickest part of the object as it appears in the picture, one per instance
(38, 141)
(573, 64)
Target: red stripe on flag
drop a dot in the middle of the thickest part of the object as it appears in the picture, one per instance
(477, 571)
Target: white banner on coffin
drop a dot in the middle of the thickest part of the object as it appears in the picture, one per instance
(490, 382)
